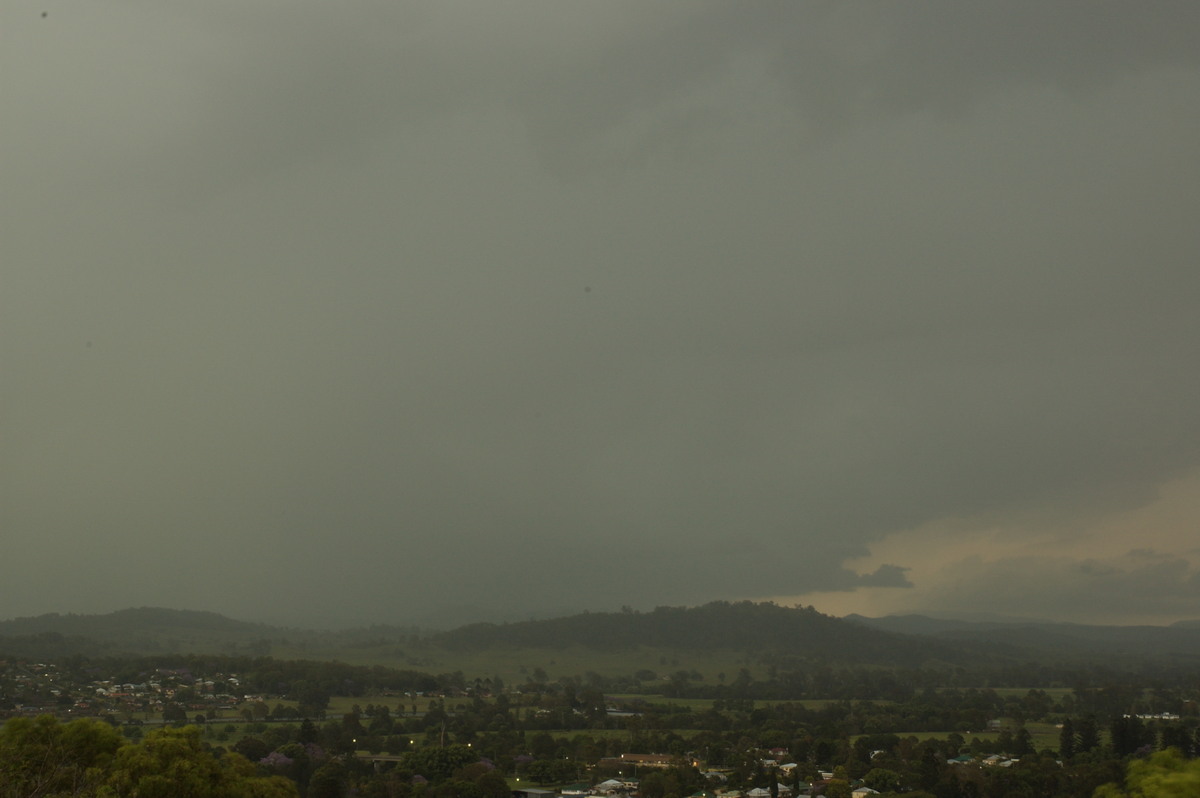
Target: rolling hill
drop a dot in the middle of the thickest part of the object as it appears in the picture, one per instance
(1055, 642)
(757, 628)
(720, 634)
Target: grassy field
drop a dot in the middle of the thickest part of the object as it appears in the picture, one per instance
(1056, 693)
(515, 666)
(402, 706)
(1044, 735)
(699, 704)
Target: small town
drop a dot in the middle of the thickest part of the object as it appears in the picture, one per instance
(464, 738)
(599, 399)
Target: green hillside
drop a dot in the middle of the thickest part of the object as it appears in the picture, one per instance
(748, 627)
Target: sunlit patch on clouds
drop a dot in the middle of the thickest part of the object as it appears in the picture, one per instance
(1130, 566)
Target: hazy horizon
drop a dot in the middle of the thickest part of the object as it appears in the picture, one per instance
(316, 312)
(447, 618)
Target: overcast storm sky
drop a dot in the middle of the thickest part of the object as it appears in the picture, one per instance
(344, 313)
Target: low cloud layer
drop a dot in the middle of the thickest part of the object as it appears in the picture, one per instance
(1058, 563)
(1135, 587)
(331, 315)
(886, 576)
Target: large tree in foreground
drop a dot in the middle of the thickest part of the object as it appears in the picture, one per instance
(175, 763)
(1165, 775)
(42, 757)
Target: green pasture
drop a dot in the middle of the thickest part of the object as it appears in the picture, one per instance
(398, 705)
(694, 704)
(1055, 693)
(700, 704)
(1043, 735)
(402, 706)
(516, 665)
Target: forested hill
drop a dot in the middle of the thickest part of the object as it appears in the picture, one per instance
(765, 632)
(133, 620)
(759, 630)
(743, 626)
(1046, 641)
(136, 630)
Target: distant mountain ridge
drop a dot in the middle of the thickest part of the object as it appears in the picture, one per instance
(764, 631)
(1048, 639)
(133, 619)
(742, 626)
(140, 630)
(754, 628)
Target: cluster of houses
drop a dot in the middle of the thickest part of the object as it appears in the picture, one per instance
(618, 788)
(40, 688)
(152, 695)
(623, 786)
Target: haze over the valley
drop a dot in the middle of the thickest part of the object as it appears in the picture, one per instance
(346, 313)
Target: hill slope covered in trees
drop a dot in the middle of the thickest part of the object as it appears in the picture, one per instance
(757, 628)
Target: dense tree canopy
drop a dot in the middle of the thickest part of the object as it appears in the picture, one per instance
(42, 758)
(1164, 775)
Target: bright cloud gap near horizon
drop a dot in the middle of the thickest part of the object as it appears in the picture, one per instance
(436, 313)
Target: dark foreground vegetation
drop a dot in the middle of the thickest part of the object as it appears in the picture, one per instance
(794, 721)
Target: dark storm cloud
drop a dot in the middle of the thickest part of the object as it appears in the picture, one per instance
(944, 56)
(334, 315)
(846, 63)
